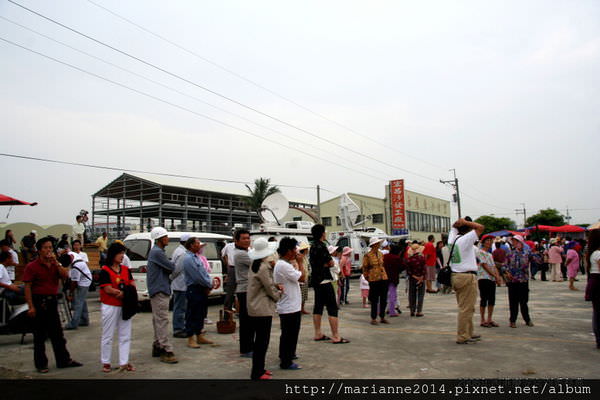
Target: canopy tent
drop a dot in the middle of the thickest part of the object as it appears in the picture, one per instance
(558, 229)
(594, 226)
(505, 233)
(11, 201)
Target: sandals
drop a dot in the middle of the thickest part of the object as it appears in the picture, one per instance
(322, 338)
(485, 325)
(341, 341)
(127, 367)
(43, 370)
(106, 368)
(492, 324)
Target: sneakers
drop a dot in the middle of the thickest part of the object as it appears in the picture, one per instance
(530, 323)
(168, 357)
(246, 355)
(293, 367)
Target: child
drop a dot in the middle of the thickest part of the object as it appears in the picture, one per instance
(364, 290)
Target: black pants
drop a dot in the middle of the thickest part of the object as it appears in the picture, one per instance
(262, 326)
(416, 295)
(246, 327)
(197, 306)
(46, 324)
(229, 287)
(378, 291)
(487, 293)
(518, 296)
(290, 329)
(544, 269)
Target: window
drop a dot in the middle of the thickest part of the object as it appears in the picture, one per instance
(297, 219)
(338, 221)
(326, 221)
(378, 218)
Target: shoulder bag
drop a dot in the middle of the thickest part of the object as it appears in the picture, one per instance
(444, 276)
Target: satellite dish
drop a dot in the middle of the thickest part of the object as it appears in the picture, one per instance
(274, 207)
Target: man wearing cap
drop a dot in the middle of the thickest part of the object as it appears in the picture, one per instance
(179, 288)
(28, 247)
(198, 285)
(78, 228)
(159, 290)
(516, 272)
(463, 235)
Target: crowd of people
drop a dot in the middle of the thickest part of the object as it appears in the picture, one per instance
(273, 277)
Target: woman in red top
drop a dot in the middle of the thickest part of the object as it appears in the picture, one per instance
(113, 279)
(346, 267)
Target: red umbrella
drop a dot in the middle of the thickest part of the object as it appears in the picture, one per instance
(11, 201)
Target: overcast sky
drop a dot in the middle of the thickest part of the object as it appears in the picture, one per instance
(506, 92)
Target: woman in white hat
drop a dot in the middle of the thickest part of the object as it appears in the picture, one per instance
(262, 297)
(374, 272)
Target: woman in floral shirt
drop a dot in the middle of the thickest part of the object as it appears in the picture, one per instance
(516, 274)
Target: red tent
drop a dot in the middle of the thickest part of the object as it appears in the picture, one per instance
(10, 201)
(568, 229)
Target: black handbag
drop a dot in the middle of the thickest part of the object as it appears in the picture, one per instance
(130, 302)
(444, 276)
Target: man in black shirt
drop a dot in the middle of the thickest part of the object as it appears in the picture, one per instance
(322, 283)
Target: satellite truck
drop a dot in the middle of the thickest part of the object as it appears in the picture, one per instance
(272, 210)
(354, 234)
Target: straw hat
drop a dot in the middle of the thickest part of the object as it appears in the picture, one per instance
(303, 246)
(262, 248)
(374, 240)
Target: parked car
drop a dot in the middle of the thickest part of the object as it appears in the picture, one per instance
(139, 245)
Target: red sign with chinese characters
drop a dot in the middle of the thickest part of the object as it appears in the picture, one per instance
(397, 204)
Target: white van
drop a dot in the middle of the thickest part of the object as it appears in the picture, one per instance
(139, 245)
(279, 232)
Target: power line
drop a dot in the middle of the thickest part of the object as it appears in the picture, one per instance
(186, 109)
(168, 87)
(256, 84)
(317, 136)
(104, 167)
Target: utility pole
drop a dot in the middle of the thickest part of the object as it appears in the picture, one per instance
(568, 217)
(524, 212)
(319, 203)
(454, 184)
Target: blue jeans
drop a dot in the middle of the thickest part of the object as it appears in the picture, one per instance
(179, 307)
(80, 310)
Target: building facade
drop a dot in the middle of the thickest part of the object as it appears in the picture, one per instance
(425, 215)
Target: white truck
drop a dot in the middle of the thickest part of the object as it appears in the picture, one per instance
(139, 245)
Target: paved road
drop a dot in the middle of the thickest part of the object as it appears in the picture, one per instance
(560, 345)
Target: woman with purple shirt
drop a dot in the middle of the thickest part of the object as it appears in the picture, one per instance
(516, 274)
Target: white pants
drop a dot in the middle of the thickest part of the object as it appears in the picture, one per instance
(111, 320)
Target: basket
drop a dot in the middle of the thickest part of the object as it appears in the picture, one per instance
(226, 324)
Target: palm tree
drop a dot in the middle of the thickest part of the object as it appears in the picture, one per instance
(262, 189)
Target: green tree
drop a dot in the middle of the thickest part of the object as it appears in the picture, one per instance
(262, 188)
(493, 224)
(549, 216)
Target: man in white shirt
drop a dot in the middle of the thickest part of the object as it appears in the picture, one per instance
(78, 228)
(462, 238)
(179, 288)
(81, 279)
(229, 284)
(290, 303)
(15, 294)
(11, 262)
